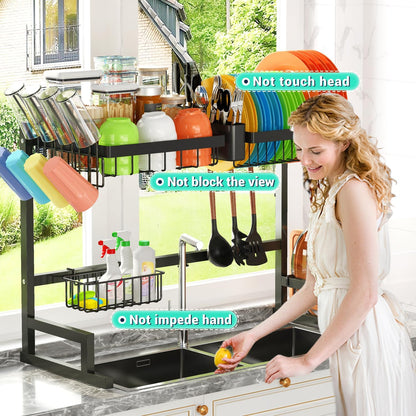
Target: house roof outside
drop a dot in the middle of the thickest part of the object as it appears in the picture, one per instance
(170, 37)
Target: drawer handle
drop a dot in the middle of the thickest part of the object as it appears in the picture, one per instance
(202, 409)
(285, 382)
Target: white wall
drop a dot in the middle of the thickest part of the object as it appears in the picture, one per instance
(110, 27)
(373, 38)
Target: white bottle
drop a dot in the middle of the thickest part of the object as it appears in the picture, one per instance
(126, 254)
(144, 264)
(157, 126)
(111, 292)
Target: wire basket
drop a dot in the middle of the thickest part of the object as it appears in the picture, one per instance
(86, 293)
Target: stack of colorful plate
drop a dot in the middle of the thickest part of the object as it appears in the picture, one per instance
(267, 111)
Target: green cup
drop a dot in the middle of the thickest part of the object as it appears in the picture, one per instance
(118, 131)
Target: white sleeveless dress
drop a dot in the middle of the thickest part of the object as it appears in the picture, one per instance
(374, 372)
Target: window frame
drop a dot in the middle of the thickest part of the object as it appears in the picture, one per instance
(38, 59)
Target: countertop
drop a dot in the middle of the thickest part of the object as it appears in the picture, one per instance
(27, 390)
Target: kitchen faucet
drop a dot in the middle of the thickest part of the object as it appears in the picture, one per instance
(183, 240)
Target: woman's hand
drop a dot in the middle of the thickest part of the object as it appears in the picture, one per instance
(241, 345)
(281, 366)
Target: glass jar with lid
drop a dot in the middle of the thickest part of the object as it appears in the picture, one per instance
(148, 99)
(154, 76)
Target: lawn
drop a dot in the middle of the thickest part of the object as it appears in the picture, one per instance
(163, 218)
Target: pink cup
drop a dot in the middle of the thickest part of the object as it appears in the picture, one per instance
(73, 186)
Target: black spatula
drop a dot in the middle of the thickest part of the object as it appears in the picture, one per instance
(256, 254)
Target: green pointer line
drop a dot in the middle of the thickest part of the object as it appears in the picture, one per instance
(297, 81)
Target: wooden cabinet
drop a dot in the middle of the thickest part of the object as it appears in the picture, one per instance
(310, 395)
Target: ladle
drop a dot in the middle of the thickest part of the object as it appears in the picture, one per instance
(219, 250)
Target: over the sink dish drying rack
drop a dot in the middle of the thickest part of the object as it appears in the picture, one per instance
(262, 137)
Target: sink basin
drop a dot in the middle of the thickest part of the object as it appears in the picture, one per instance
(156, 368)
(287, 341)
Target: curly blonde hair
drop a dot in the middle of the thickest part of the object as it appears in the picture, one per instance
(333, 117)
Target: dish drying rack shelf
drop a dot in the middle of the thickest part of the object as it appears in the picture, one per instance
(230, 142)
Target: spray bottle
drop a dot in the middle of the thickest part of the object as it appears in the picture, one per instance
(112, 291)
(144, 265)
(126, 254)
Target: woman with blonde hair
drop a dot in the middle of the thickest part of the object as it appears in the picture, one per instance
(362, 327)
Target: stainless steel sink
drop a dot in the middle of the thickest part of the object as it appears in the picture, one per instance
(171, 365)
(288, 341)
(156, 368)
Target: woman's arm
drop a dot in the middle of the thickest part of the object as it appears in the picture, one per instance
(298, 304)
(295, 306)
(356, 209)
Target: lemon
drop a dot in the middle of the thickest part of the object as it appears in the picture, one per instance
(92, 303)
(220, 354)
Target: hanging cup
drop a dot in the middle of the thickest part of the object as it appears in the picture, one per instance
(33, 112)
(10, 179)
(51, 110)
(34, 167)
(15, 163)
(27, 123)
(76, 115)
(73, 186)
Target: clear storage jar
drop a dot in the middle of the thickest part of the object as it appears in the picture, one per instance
(154, 76)
(115, 100)
(148, 100)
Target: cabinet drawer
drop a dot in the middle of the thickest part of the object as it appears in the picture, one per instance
(304, 397)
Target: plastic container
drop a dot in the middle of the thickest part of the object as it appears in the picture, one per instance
(10, 179)
(126, 253)
(27, 124)
(154, 76)
(190, 123)
(156, 126)
(116, 132)
(15, 163)
(73, 186)
(34, 167)
(144, 261)
(33, 112)
(148, 100)
(112, 292)
(76, 115)
(115, 100)
(115, 63)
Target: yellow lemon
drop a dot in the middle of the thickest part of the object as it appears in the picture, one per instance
(220, 354)
(91, 303)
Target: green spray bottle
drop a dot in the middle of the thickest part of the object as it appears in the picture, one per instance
(126, 255)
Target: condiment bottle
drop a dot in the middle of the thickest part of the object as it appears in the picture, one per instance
(148, 99)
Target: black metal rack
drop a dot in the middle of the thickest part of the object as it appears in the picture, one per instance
(228, 143)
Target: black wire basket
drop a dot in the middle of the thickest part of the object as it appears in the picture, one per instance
(85, 292)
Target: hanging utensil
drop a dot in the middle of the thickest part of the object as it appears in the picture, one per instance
(223, 104)
(240, 247)
(214, 97)
(256, 255)
(237, 105)
(201, 98)
(219, 250)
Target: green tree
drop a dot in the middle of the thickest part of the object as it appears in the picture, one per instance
(251, 37)
(205, 18)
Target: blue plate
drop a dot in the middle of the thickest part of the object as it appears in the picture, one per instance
(255, 154)
(277, 110)
(268, 123)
